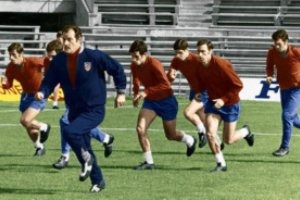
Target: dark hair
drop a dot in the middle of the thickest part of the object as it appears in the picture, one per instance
(180, 44)
(207, 42)
(55, 45)
(59, 34)
(280, 34)
(138, 45)
(15, 46)
(75, 28)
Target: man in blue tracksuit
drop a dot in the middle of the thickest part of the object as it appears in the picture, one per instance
(80, 72)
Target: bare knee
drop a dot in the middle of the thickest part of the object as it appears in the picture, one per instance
(24, 121)
(140, 130)
(187, 114)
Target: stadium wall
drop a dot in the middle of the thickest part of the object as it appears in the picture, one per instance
(254, 89)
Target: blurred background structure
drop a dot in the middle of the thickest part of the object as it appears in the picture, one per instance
(240, 30)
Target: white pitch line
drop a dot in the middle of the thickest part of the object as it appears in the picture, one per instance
(150, 130)
(63, 108)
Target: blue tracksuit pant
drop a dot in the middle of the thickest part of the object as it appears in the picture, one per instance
(77, 134)
(290, 102)
(96, 133)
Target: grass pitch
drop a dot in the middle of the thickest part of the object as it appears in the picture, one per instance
(253, 173)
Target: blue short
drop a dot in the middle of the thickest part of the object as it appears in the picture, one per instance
(27, 100)
(166, 108)
(228, 113)
(203, 97)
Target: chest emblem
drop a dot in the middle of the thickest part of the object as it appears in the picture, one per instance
(87, 66)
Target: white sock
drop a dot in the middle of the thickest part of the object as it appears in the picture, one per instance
(43, 127)
(201, 128)
(55, 103)
(106, 138)
(148, 157)
(220, 159)
(187, 139)
(66, 155)
(244, 132)
(37, 144)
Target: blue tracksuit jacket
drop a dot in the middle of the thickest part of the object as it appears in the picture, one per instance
(90, 87)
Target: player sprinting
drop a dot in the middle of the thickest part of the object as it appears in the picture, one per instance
(223, 85)
(81, 73)
(187, 63)
(29, 72)
(285, 59)
(52, 49)
(158, 100)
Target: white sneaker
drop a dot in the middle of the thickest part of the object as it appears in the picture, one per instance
(97, 188)
(86, 168)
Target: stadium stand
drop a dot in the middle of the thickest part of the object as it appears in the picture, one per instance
(194, 13)
(239, 12)
(136, 12)
(240, 30)
(290, 15)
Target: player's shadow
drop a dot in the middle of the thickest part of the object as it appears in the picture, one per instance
(275, 161)
(11, 155)
(27, 191)
(27, 168)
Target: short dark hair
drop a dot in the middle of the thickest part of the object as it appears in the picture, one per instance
(75, 28)
(180, 44)
(207, 42)
(59, 34)
(138, 45)
(280, 34)
(54, 45)
(15, 46)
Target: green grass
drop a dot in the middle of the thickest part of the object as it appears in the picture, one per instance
(253, 173)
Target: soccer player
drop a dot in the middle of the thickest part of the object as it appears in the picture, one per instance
(187, 63)
(28, 71)
(53, 48)
(217, 77)
(286, 59)
(81, 74)
(158, 100)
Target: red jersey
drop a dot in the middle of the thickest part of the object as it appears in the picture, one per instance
(29, 74)
(288, 67)
(220, 80)
(153, 77)
(188, 68)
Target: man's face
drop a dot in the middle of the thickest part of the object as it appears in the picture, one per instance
(204, 54)
(281, 46)
(51, 54)
(136, 58)
(15, 57)
(182, 54)
(71, 44)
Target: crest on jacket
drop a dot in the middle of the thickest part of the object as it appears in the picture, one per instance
(87, 66)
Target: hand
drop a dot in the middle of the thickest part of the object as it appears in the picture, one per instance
(39, 96)
(3, 80)
(269, 79)
(137, 98)
(219, 103)
(172, 73)
(120, 100)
